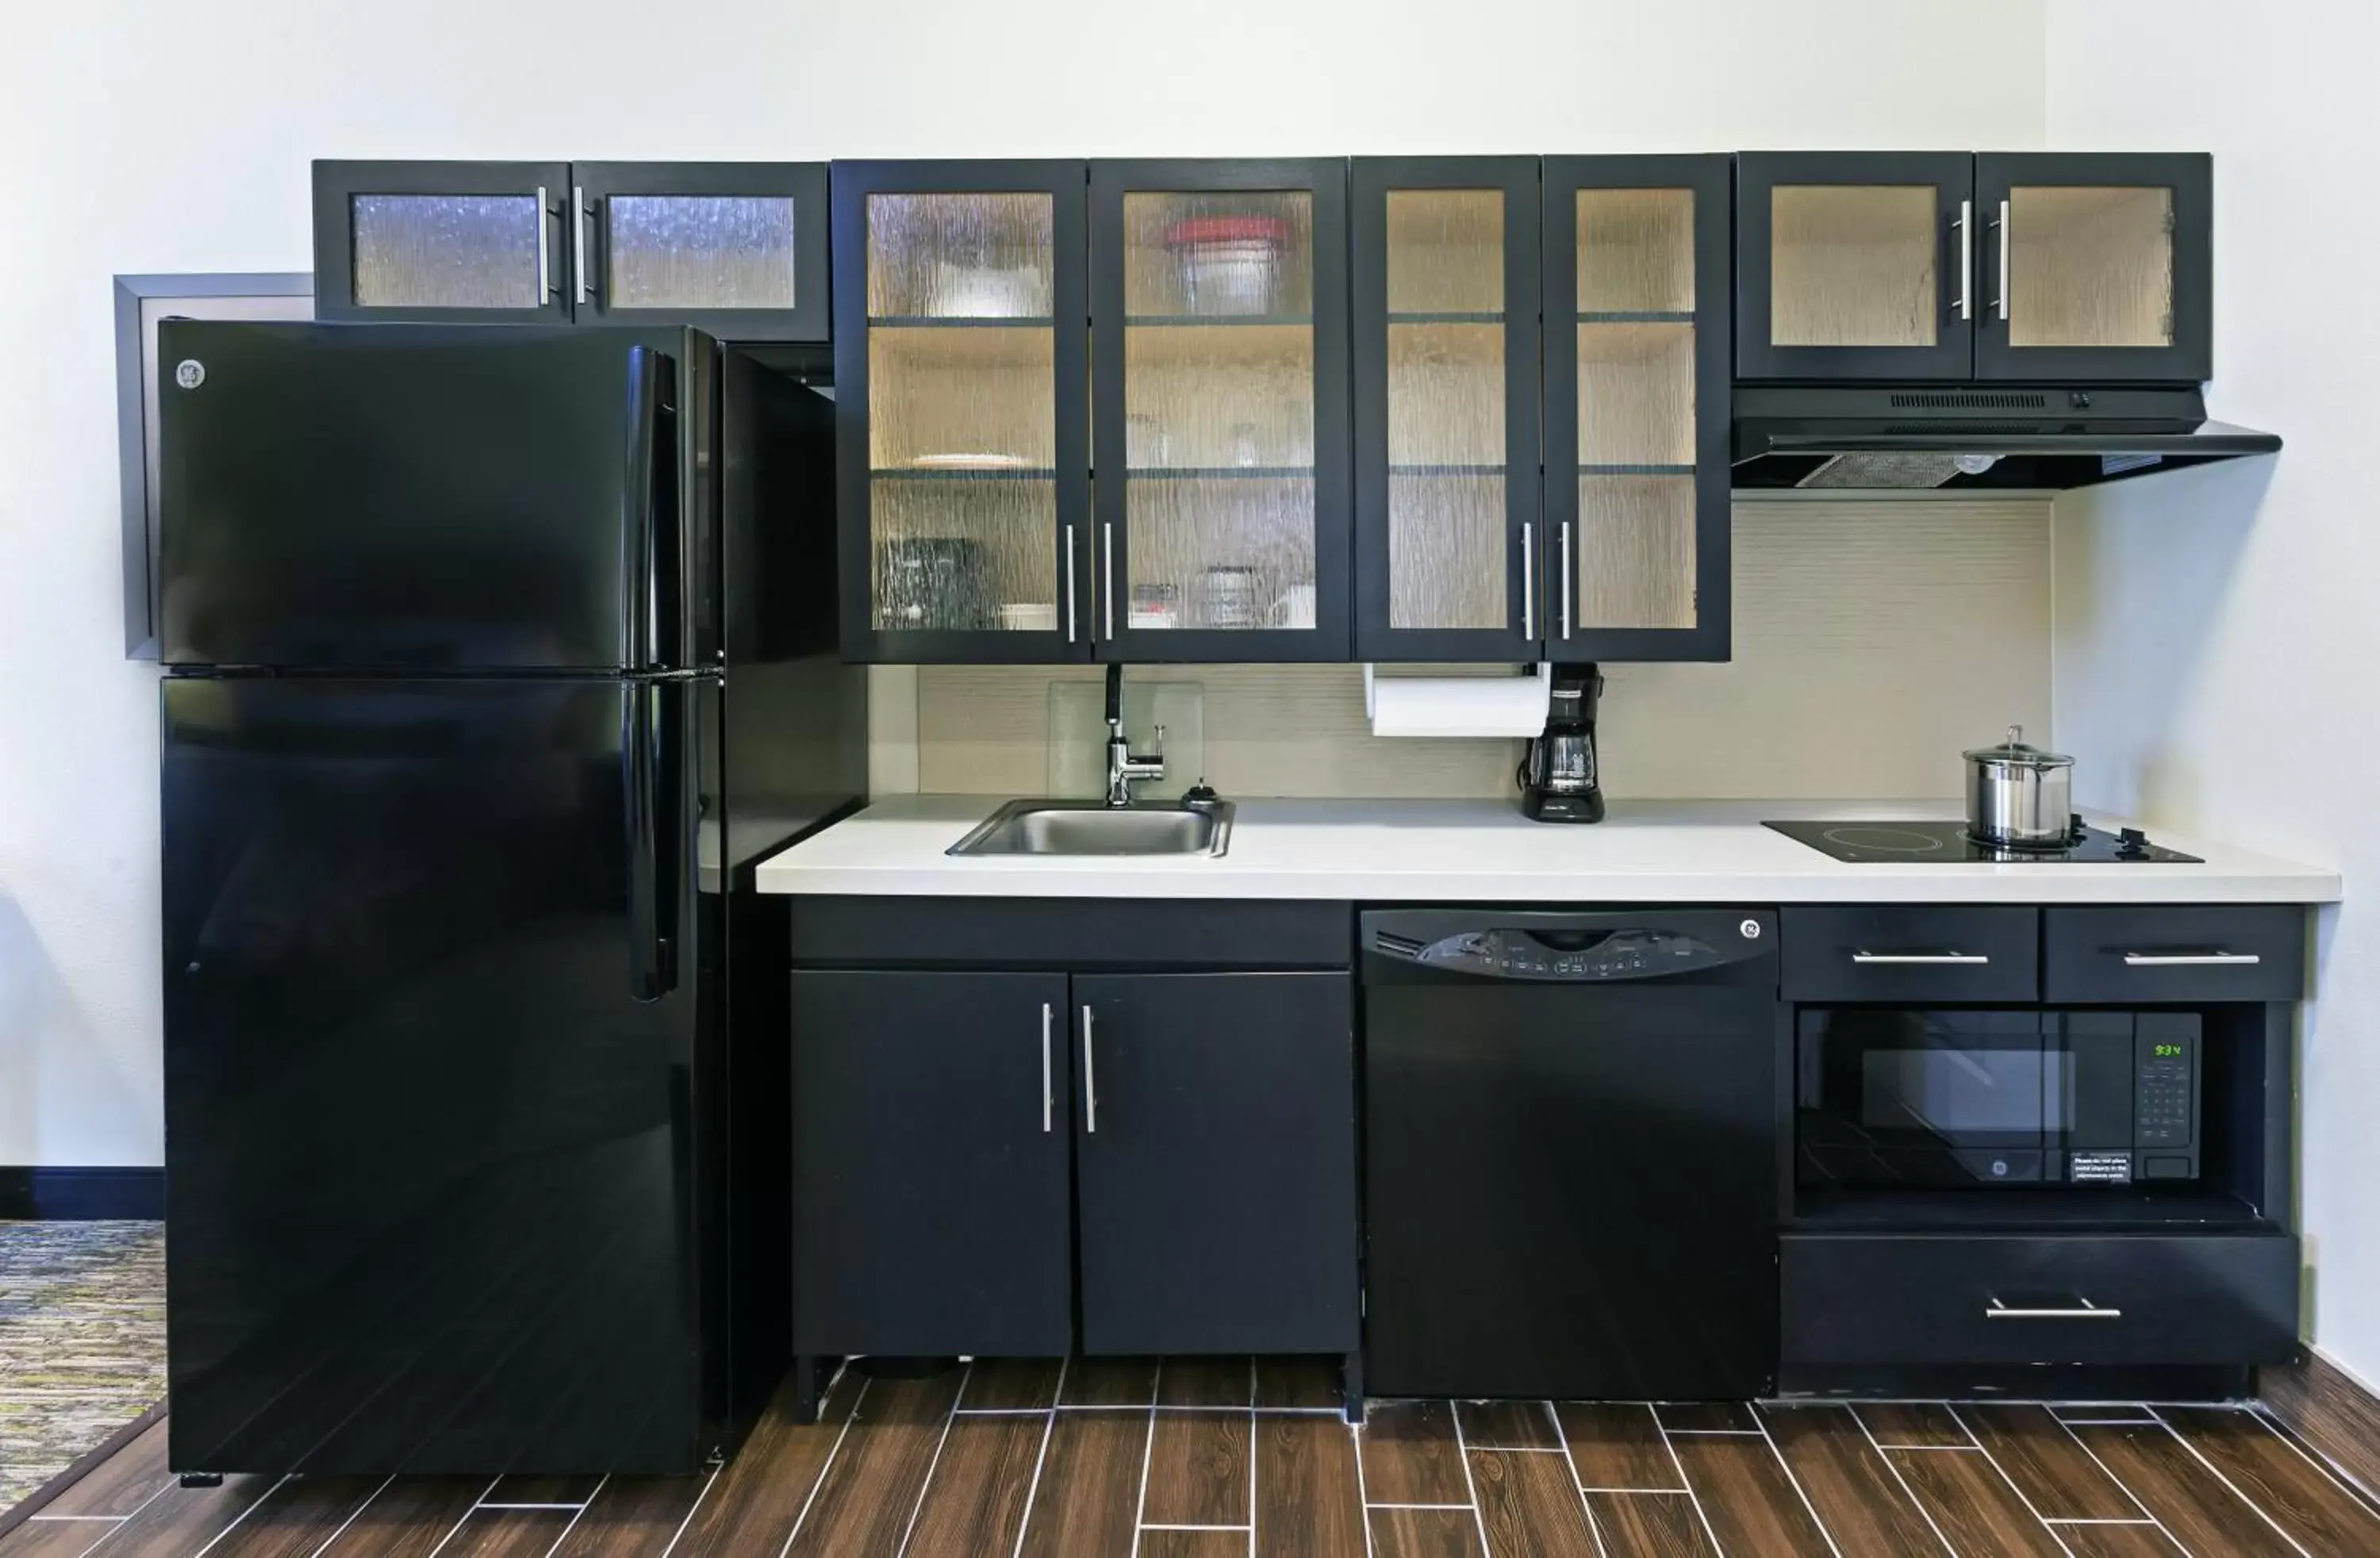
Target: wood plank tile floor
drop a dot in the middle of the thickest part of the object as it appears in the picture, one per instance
(1240, 1458)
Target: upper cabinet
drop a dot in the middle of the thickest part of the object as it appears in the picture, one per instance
(1855, 265)
(1541, 407)
(1448, 557)
(1636, 408)
(962, 400)
(735, 248)
(1219, 387)
(2095, 266)
(1943, 265)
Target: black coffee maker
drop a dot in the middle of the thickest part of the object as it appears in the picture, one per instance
(1558, 777)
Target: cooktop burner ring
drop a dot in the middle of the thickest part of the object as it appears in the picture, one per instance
(1870, 835)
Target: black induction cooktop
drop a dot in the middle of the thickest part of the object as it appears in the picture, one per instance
(1947, 843)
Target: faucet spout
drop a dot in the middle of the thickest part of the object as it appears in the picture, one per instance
(1126, 767)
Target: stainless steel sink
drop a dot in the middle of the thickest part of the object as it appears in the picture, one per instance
(1087, 827)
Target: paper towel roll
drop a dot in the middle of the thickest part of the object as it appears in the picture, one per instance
(1458, 705)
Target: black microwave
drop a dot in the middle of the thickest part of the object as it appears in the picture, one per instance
(1894, 1098)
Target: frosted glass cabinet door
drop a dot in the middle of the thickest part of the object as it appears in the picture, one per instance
(456, 242)
(1855, 264)
(1636, 393)
(1448, 556)
(961, 394)
(2094, 266)
(736, 249)
(1218, 301)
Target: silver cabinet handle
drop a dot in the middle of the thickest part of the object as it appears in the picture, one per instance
(2083, 1310)
(1966, 226)
(1529, 580)
(1048, 1016)
(2190, 959)
(1961, 959)
(1565, 566)
(579, 217)
(1070, 584)
(1090, 1079)
(544, 257)
(2003, 226)
(1109, 589)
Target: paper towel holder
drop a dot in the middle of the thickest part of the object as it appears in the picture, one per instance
(1541, 672)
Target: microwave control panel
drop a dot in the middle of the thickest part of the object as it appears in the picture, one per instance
(2165, 1086)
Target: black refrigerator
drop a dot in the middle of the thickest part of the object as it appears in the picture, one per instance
(496, 658)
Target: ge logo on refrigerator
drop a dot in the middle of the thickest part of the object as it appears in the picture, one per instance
(189, 373)
(1751, 928)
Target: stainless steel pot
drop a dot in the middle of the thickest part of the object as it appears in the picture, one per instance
(2019, 796)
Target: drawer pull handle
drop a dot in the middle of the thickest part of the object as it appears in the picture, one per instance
(1967, 958)
(2190, 959)
(2083, 1309)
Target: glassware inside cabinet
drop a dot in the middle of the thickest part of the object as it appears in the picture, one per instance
(962, 411)
(1218, 405)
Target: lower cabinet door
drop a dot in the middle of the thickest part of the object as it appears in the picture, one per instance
(931, 1163)
(1216, 1168)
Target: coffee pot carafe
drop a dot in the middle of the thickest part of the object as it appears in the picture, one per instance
(1558, 777)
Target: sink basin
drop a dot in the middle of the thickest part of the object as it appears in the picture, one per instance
(1086, 827)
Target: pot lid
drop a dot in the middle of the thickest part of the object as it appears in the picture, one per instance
(2016, 749)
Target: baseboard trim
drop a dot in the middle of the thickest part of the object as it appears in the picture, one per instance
(81, 1195)
(2330, 1410)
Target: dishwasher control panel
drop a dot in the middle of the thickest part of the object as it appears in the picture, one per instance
(1571, 954)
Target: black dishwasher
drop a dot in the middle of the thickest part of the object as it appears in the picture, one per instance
(1570, 1153)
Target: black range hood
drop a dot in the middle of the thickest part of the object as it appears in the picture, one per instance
(1836, 438)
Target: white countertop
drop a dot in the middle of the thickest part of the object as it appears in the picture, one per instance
(1429, 851)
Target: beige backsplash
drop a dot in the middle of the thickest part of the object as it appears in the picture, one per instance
(1874, 641)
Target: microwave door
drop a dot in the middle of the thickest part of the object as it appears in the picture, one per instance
(1930, 1099)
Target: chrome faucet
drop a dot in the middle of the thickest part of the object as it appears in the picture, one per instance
(1125, 767)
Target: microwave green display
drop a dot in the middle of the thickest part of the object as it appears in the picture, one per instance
(2165, 1050)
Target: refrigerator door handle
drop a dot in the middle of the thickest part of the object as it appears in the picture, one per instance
(653, 897)
(649, 500)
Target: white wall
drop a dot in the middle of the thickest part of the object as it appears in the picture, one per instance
(155, 136)
(2217, 636)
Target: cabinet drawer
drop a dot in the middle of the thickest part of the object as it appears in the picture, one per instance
(2219, 952)
(1931, 954)
(1945, 1298)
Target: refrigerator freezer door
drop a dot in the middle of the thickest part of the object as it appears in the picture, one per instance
(445, 497)
(431, 1161)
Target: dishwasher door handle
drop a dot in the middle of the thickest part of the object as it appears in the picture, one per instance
(1927, 959)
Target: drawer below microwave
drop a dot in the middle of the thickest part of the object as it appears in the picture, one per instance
(2098, 1298)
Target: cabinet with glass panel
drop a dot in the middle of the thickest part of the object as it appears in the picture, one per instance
(1943, 265)
(1542, 395)
(1220, 386)
(962, 395)
(1448, 557)
(1636, 408)
(736, 249)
